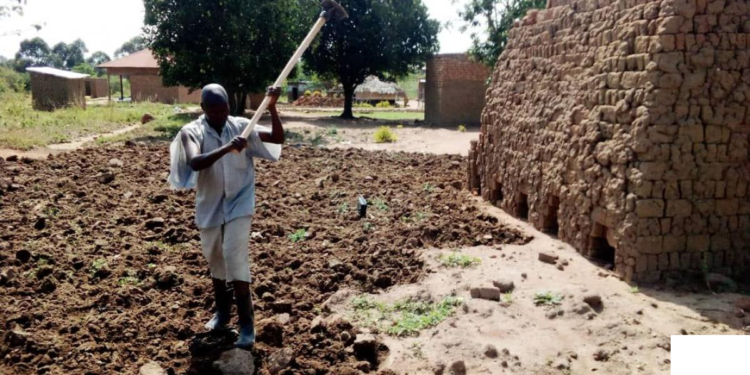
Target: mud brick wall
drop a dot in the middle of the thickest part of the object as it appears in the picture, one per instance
(49, 92)
(149, 87)
(454, 90)
(622, 126)
(99, 87)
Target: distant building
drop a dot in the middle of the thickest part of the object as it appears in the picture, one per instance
(373, 91)
(454, 90)
(54, 88)
(142, 70)
(97, 87)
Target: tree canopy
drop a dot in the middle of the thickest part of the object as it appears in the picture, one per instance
(387, 38)
(497, 17)
(133, 45)
(33, 52)
(240, 44)
(69, 55)
(97, 58)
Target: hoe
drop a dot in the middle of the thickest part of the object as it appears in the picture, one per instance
(332, 12)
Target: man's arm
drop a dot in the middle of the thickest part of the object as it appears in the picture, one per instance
(198, 161)
(277, 130)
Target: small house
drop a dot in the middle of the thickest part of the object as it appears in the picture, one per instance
(54, 88)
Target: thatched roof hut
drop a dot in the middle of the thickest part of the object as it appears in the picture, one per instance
(54, 88)
(375, 90)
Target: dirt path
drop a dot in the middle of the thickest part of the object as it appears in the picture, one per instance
(42, 153)
(632, 330)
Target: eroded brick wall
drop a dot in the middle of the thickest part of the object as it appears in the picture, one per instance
(454, 90)
(49, 92)
(623, 126)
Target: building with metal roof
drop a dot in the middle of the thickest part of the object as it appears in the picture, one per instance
(54, 88)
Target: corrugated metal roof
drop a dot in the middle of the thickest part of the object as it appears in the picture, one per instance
(141, 59)
(57, 72)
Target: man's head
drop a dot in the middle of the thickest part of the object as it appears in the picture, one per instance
(215, 104)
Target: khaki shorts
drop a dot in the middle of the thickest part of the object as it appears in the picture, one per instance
(226, 249)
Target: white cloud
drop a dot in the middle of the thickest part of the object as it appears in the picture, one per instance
(104, 25)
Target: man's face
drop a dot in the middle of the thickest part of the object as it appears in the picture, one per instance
(216, 114)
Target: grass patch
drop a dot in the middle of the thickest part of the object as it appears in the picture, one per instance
(462, 128)
(384, 134)
(635, 290)
(343, 208)
(97, 265)
(403, 318)
(428, 187)
(394, 115)
(547, 299)
(130, 279)
(380, 205)
(23, 128)
(454, 260)
(506, 299)
(297, 236)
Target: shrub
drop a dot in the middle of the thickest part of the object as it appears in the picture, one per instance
(462, 128)
(383, 104)
(363, 105)
(384, 135)
(317, 93)
(12, 81)
(308, 92)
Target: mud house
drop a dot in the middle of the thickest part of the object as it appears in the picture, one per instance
(97, 87)
(142, 70)
(622, 127)
(454, 90)
(53, 88)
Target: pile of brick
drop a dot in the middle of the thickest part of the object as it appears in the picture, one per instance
(318, 101)
(622, 126)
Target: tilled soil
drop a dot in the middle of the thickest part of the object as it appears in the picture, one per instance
(102, 269)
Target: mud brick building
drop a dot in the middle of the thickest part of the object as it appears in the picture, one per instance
(142, 70)
(97, 87)
(454, 90)
(622, 126)
(53, 88)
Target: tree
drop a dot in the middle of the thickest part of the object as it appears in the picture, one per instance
(240, 44)
(385, 38)
(85, 68)
(10, 7)
(33, 52)
(498, 17)
(133, 45)
(69, 55)
(98, 58)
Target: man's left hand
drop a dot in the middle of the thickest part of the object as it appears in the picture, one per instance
(273, 93)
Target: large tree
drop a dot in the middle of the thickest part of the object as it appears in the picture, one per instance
(133, 45)
(240, 44)
(69, 55)
(385, 38)
(33, 52)
(98, 58)
(496, 16)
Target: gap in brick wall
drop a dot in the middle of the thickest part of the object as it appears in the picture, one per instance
(496, 195)
(522, 208)
(551, 224)
(600, 249)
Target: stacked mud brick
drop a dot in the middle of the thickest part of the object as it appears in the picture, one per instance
(50, 91)
(622, 126)
(454, 90)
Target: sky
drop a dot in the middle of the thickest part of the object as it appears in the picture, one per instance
(104, 25)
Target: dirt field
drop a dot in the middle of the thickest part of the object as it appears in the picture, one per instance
(103, 269)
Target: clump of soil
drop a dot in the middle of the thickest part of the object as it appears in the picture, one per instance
(102, 268)
(318, 101)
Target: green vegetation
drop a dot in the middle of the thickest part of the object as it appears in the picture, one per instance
(343, 208)
(130, 279)
(12, 81)
(368, 227)
(97, 265)
(547, 298)
(380, 204)
(462, 128)
(297, 236)
(428, 187)
(635, 290)
(23, 128)
(403, 318)
(410, 85)
(506, 299)
(384, 134)
(332, 131)
(453, 260)
(383, 104)
(363, 105)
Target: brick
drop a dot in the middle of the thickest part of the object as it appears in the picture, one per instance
(727, 207)
(698, 243)
(649, 208)
(721, 242)
(649, 245)
(679, 207)
(674, 243)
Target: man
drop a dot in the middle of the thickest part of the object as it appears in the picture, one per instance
(210, 155)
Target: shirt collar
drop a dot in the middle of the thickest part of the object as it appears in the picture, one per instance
(209, 129)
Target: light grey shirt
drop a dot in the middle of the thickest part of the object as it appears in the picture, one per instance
(226, 190)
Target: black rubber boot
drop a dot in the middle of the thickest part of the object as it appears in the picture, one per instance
(223, 297)
(246, 316)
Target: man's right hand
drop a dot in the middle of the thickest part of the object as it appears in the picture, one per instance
(237, 144)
